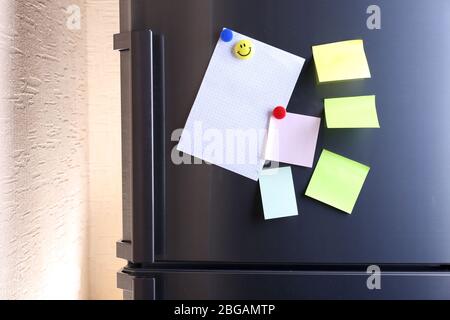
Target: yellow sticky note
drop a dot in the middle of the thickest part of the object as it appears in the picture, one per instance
(337, 181)
(343, 60)
(351, 112)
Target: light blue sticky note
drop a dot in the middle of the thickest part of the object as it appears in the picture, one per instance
(278, 193)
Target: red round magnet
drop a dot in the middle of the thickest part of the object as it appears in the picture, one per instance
(279, 112)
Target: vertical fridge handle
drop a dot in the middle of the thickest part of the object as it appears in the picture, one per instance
(142, 92)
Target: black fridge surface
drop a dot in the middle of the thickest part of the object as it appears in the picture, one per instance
(200, 220)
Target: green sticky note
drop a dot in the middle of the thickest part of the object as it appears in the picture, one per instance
(344, 60)
(351, 112)
(278, 193)
(337, 181)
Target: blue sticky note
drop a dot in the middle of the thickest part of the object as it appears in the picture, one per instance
(278, 193)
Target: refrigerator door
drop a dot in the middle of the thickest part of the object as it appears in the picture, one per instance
(203, 213)
(233, 285)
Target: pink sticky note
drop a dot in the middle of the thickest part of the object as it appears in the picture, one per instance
(293, 139)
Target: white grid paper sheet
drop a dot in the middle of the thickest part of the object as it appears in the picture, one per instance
(228, 123)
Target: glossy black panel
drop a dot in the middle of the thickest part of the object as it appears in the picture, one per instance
(287, 285)
(403, 213)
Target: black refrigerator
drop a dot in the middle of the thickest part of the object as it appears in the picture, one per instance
(197, 231)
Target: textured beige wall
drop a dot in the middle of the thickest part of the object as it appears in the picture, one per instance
(44, 152)
(105, 185)
(60, 196)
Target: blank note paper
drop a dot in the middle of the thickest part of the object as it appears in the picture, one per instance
(343, 60)
(228, 122)
(337, 181)
(293, 139)
(351, 112)
(277, 193)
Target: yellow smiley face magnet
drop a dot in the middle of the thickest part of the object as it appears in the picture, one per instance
(243, 49)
